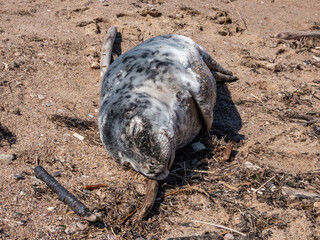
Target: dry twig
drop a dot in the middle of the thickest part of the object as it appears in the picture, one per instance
(181, 190)
(256, 190)
(219, 226)
(244, 22)
(297, 35)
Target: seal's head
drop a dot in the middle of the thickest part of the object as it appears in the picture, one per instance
(136, 135)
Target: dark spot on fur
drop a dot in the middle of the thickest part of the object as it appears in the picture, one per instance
(140, 69)
(153, 74)
(147, 102)
(130, 86)
(165, 54)
(163, 64)
(188, 84)
(132, 106)
(179, 96)
(124, 86)
(155, 53)
(167, 36)
(127, 58)
(144, 55)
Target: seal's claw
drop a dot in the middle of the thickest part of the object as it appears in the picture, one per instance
(220, 77)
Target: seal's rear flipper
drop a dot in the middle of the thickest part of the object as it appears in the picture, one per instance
(106, 49)
(220, 73)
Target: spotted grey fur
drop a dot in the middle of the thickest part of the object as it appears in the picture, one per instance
(155, 99)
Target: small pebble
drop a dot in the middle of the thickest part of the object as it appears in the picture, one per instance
(316, 204)
(18, 176)
(48, 104)
(7, 156)
(228, 236)
(50, 209)
(90, 115)
(56, 174)
(70, 230)
(82, 226)
(251, 166)
(197, 146)
(86, 191)
(40, 96)
(78, 136)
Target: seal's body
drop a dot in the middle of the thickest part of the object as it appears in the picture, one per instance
(155, 99)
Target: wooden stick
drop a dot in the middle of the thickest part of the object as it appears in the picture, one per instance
(297, 35)
(219, 226)
(92, 187)
(150, 198)
(64, 195)
(106, 50)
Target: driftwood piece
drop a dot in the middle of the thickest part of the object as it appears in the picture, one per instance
(297, 35)
(300, 193)
(64, 195)
(150, 198)
(106, 50)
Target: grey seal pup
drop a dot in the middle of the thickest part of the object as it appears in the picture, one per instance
(156, 98)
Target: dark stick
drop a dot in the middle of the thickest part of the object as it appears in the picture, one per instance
(150, 198)
(64, 195)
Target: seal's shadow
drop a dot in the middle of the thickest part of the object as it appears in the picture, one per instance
(117, 50)
(227, 122)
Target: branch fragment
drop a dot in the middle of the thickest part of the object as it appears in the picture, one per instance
(64, 195)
